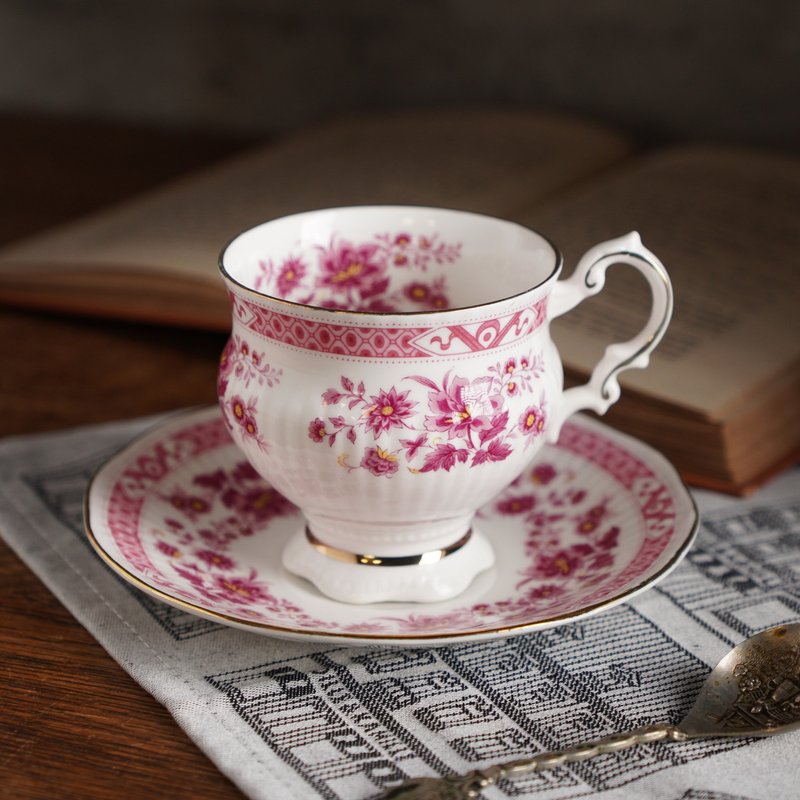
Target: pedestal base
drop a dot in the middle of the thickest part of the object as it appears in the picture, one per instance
(376, 580)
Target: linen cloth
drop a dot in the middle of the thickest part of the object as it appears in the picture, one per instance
(309, 720)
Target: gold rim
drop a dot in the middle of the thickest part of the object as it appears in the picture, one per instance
(384, 315)
(303, 633)
(368, 560)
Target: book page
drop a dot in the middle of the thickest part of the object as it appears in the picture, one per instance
(725, 224)
(484, 160)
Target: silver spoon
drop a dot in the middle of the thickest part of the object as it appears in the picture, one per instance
(753, 691)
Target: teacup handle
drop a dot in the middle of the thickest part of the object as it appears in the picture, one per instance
(589, 277)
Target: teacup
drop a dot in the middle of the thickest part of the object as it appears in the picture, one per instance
(391, 369)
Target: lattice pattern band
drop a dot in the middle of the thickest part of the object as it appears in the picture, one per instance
(380, 342)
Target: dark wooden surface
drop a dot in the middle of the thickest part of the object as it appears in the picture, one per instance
(73, 724)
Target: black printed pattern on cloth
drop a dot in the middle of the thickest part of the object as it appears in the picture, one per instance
(743, 572)
(383, 715)
(702, 794)
(61, 492)
(351, 721)
(476, 704)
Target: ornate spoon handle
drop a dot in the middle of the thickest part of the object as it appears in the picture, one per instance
(463, 787)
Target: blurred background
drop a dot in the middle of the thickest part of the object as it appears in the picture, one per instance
(101, 99)
(663, 70)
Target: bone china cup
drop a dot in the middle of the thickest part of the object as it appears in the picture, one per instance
(390, 369)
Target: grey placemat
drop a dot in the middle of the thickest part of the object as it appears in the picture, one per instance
(284, 719)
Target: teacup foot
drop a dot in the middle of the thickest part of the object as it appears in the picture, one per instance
(362, 578)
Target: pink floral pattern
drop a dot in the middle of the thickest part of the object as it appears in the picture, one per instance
(592, 520)
(379, 462)
(204, 520)
(376, 275)
(465, 422)
(240, 363)
(240, 416)
(290, 276)
(571, 539)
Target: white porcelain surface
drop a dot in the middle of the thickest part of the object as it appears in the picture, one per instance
(597, 519)
(370, 584)
(391, 369)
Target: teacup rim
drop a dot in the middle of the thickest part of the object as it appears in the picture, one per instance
(558, 264)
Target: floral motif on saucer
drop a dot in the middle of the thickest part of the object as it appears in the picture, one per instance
(596, 519)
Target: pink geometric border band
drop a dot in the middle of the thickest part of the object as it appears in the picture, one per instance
(374, 342)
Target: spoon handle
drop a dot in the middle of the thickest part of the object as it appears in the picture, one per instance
(463, 787)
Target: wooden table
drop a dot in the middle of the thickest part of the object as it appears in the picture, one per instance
(73, 724)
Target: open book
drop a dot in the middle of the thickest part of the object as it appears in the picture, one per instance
(721, 395)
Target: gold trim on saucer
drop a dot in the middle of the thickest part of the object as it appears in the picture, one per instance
(298, 632)
(369, 560)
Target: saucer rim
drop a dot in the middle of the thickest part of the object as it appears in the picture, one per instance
(407, 639)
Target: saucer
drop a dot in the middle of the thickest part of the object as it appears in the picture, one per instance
(598, 518)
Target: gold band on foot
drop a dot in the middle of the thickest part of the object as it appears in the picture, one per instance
(431, 557)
